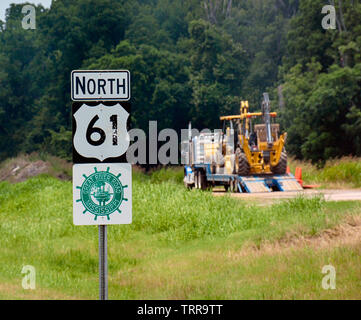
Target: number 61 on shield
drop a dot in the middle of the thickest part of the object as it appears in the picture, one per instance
(100, 131)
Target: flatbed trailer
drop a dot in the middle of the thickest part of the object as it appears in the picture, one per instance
(200, 176)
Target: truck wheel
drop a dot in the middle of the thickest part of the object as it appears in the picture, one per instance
(186, 184)
(233, 185)
(281, 167)
(242, 162)
(196, 179)
(189, 186)
(202, 180)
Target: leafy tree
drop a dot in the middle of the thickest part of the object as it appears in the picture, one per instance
(159, 83)
(218, 66)
(322, 88)
(189, 60)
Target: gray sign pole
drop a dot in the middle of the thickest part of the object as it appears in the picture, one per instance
(103, 263)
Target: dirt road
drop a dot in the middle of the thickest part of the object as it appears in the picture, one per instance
(330, 195)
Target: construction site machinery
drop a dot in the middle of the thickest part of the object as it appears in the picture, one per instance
(242, 157)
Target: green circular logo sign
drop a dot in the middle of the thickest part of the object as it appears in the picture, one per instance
(102, 193)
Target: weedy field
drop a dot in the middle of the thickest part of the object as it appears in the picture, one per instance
(181, 245)
(335, 174)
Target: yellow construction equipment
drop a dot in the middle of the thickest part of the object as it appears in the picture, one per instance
(242, 157)
(259, 148)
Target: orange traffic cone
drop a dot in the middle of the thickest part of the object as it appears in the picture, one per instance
(298, 175)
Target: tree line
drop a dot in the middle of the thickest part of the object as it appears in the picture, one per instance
(190, 60)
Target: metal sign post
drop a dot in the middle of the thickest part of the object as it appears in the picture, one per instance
(102, 178)
(103, 263)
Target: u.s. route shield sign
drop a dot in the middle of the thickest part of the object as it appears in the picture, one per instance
(100, 131)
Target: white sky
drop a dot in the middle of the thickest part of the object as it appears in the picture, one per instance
(4, 4)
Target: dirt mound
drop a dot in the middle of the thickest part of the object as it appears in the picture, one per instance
(268, 198)
(21, 169)
(348, 233)
(26, 166)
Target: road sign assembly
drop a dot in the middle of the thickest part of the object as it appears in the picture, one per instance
(102, 180)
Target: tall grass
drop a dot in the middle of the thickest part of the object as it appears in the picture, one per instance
(41, 208)
(343, 172)
(338, 172)
(177, 240)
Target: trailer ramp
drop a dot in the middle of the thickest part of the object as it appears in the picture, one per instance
(254, 184)
(258, 184)
(287, 182)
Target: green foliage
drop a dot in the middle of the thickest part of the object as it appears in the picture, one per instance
(161, 206)
(177, 240)
(336, 173)
(218, 65)
(322, 84)
(185, 65)
(190, 61)
(174, 175)
(344, 171)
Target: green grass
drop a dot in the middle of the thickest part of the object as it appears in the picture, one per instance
(344, 173)
(181, 244)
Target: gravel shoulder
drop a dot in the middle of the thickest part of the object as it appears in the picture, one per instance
(329, 194)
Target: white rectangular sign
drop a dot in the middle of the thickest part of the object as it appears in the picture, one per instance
(98, 85)
(102, 194)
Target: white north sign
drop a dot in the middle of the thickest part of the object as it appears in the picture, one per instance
(100, 85)
(102, 194)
